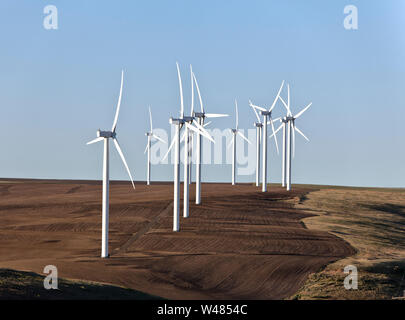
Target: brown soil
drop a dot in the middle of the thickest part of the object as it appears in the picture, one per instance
(20, 285)
(372, 220)
(239, 244)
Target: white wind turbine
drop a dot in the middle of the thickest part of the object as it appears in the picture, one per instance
(189, 158)
(267, 115)
(259, 126)
(288, 123)
(200, 116)
(187, 148)
(233, 141)
(106, 135)
(150, 135)
(197, 123)
(179, 123)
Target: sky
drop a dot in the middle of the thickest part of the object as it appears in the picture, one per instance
(57, 87)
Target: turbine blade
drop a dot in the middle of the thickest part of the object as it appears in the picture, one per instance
(286, 106)
(170, 147)
(275, 132)
(288, 100)
(254, 109)
(95, 140)
(293, 138)
(196, 130)
(146, 149)
(192, 90)
(207, 124)
(274, 120)
(230, 143)
(199, 93)
(117, 146)
(181, 91)
(114, 126)
(278, 96)
(183, 136)
(302, 111)
(275, 138)
(257, 107)
(158, 138)
(216, 115)
(201, 128)
(237, 116)
(150, 118)
(241, 134)
(300, 132)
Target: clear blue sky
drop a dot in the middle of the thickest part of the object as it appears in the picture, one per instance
(58, 87)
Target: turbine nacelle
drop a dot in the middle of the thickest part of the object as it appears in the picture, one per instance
(198, 114)
(176, 121)
(258, 124)
(106, 134)
(265, 113)
(188, 119)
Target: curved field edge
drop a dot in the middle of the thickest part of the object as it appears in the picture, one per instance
(22, 285)
(372, 220)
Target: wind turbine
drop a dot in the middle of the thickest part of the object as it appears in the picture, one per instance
(233, 141)
(106, 135)
(191, 133)
(259, 126)
(150, 135)
(200, 116)
(267, 115)
(187, 149)
(288, 123)
(180, 122)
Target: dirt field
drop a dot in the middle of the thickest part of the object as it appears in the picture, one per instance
(20, 285)
(372, 220)
(239, 244)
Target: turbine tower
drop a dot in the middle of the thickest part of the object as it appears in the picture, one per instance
(267, 115)
(289, 125)
(105, 136)
(150, 135)
(284, 158)
(233, 142)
